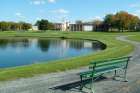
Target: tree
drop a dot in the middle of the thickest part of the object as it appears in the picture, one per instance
(4, 26)
(109, 20)
(50, 26)
(8, 26)
(44, 25)
(122, 21)
(97, 24)
(134, 23)
(25, 26)
(14, 26)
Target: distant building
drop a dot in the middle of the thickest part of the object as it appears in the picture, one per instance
(35, 28)
(88, 27)
(76, 27)
(61, 26)
(81, 27)
(66, 26)
(57, 26)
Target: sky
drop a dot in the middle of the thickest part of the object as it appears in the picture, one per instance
(59, 10)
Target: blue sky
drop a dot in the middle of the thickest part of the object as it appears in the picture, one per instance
(56, 10)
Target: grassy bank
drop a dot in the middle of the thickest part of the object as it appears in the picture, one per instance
(135, 38)
(115, 48)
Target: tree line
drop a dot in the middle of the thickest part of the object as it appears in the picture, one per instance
(14, 26)
(121, 21)
(42, 24)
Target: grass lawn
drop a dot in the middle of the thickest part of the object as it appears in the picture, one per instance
(135, 38)
(115, 48)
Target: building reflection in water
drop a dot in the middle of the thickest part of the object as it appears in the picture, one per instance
(61, 47)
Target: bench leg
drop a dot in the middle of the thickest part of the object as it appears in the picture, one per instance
(125, 71)
(92, 83)
(125, 75)
(92, 86)
(115, 74)
(81, 84)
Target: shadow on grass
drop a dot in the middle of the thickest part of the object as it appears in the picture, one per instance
(75, 86)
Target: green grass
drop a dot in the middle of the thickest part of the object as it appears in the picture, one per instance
(135, 38)
(115, 48)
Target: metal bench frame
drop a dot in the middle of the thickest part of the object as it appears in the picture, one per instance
(94, 65)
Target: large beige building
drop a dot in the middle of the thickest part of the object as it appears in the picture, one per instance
(66, 26)
(57, 26)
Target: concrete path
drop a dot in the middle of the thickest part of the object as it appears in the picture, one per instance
(43, 83)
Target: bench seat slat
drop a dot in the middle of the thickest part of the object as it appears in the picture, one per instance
(108, 60)
(120, 65)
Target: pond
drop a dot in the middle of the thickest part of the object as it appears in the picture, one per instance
(23, 51)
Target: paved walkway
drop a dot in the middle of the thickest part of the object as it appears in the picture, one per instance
(43, 83)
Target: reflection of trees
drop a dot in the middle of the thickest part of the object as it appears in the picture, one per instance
(19, 43)
(44, 44)
(3, 43)
(55, 42)
(76, 44)
(14, 43)
(26, 43)
(98, 45)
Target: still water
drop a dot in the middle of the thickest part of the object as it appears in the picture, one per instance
(19, 52)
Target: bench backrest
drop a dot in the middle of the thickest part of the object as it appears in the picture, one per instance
(115, 62)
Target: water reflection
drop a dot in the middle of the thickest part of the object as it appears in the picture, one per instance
(17, 52)
(76, 44)
(24, 43)
(3, 43)
(43, 45)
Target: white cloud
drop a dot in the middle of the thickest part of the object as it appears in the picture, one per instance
(38, 18)
(137, 11)
(135, 14)
(60, 11)
(41, 2)
(97, 18)
(135, 5)
(60, 14)
(18, 14)
(37, 2)
(51, 1)
(92, 18)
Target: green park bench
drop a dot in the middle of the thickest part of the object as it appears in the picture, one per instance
(99, 68)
